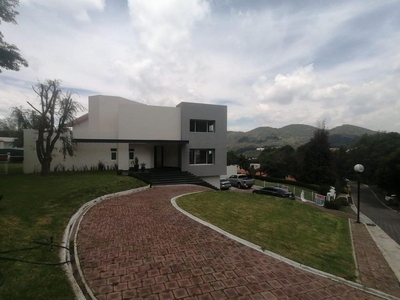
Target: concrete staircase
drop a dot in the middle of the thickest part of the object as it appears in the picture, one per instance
(169, 176)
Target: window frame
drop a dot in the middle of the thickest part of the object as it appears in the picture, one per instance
(196, 155)
(196, 124)
(114, 151)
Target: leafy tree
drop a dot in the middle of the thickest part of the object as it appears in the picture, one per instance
(388, 174)
(8, 128)
(373, 152)
(10, 59)
(50, 119)
(243, 162)
(316, 159)
(232, 158)
(278, 162)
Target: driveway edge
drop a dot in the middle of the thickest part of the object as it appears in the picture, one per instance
(73, 269)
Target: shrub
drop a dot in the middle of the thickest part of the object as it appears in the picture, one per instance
(343, 200)
(335, 204)
(101, 166)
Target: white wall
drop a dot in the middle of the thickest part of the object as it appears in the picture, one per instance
(230, 170)
(213, 180)
(87, 155)
(146, 122)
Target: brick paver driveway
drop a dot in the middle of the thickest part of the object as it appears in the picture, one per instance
(140, 247)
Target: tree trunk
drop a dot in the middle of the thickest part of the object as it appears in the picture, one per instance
(46, 166)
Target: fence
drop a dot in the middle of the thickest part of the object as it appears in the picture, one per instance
(299, 192)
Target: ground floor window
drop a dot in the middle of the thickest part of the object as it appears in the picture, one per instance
(201, 156)
(113, 153)
(131, 154)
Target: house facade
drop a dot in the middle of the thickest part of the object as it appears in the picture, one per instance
(190, 136)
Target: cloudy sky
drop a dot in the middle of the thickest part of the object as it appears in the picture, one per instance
(273, 63)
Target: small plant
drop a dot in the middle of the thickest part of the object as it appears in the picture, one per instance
(142, 167)
(101, 166)
(136, 165)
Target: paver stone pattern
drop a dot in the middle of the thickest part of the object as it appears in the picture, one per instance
(140, 247)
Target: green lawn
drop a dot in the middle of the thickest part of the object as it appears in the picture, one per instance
(34, 208)
(299, 232)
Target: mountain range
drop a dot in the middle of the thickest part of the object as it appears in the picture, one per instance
(294, 135)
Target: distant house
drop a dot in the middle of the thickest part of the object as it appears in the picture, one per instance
(190, 136)
(7, 142)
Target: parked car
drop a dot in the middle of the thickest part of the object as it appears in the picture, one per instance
(241, 181)
(275, 191)
(225, 184)
(391, 198)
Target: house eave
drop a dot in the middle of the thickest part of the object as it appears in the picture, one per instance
(130, 141)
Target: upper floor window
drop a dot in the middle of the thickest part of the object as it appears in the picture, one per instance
(202, 126)
(201, 156)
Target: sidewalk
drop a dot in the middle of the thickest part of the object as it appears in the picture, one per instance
(139, 247)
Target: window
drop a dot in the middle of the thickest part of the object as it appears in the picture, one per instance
(202, 126)
(131, 154)
(113, 153)
(201, 156)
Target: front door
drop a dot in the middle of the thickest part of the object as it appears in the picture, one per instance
(158, 157)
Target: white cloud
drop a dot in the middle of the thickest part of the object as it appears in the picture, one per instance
(273, 63)
(286, 88)
(77, 8)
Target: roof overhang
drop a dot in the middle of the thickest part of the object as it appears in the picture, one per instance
(126, 141)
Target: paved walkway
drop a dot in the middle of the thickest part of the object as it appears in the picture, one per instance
(140, 247)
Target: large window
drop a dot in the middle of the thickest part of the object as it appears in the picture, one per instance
(202, 126)
(201, 156)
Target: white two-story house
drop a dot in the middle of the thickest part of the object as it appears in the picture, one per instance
(190, 136)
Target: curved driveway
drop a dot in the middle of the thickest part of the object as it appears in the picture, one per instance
(140, 247)
(388, 220)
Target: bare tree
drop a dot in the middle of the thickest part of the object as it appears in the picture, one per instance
(50, 119)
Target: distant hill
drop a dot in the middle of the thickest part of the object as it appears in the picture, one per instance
(294, 135)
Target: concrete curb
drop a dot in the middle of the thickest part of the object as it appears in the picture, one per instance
(70, 237)
(281, 258)
(354, 253)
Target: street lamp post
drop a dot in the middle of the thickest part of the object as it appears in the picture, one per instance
(359, 169)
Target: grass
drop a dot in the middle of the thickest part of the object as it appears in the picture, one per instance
(299, 232)
(34, 208)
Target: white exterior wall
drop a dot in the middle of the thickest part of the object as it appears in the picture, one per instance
(230, 170)
(145, 154)
(84, 156)
(145, 122)
(119, 118)
(213, 180)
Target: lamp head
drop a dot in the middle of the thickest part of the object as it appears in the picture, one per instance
(358, 168)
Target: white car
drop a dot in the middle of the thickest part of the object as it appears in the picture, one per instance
(391, 198)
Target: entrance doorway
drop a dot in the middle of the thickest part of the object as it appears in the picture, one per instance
(158, 157)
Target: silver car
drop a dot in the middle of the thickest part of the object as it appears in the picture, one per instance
(225, 184)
